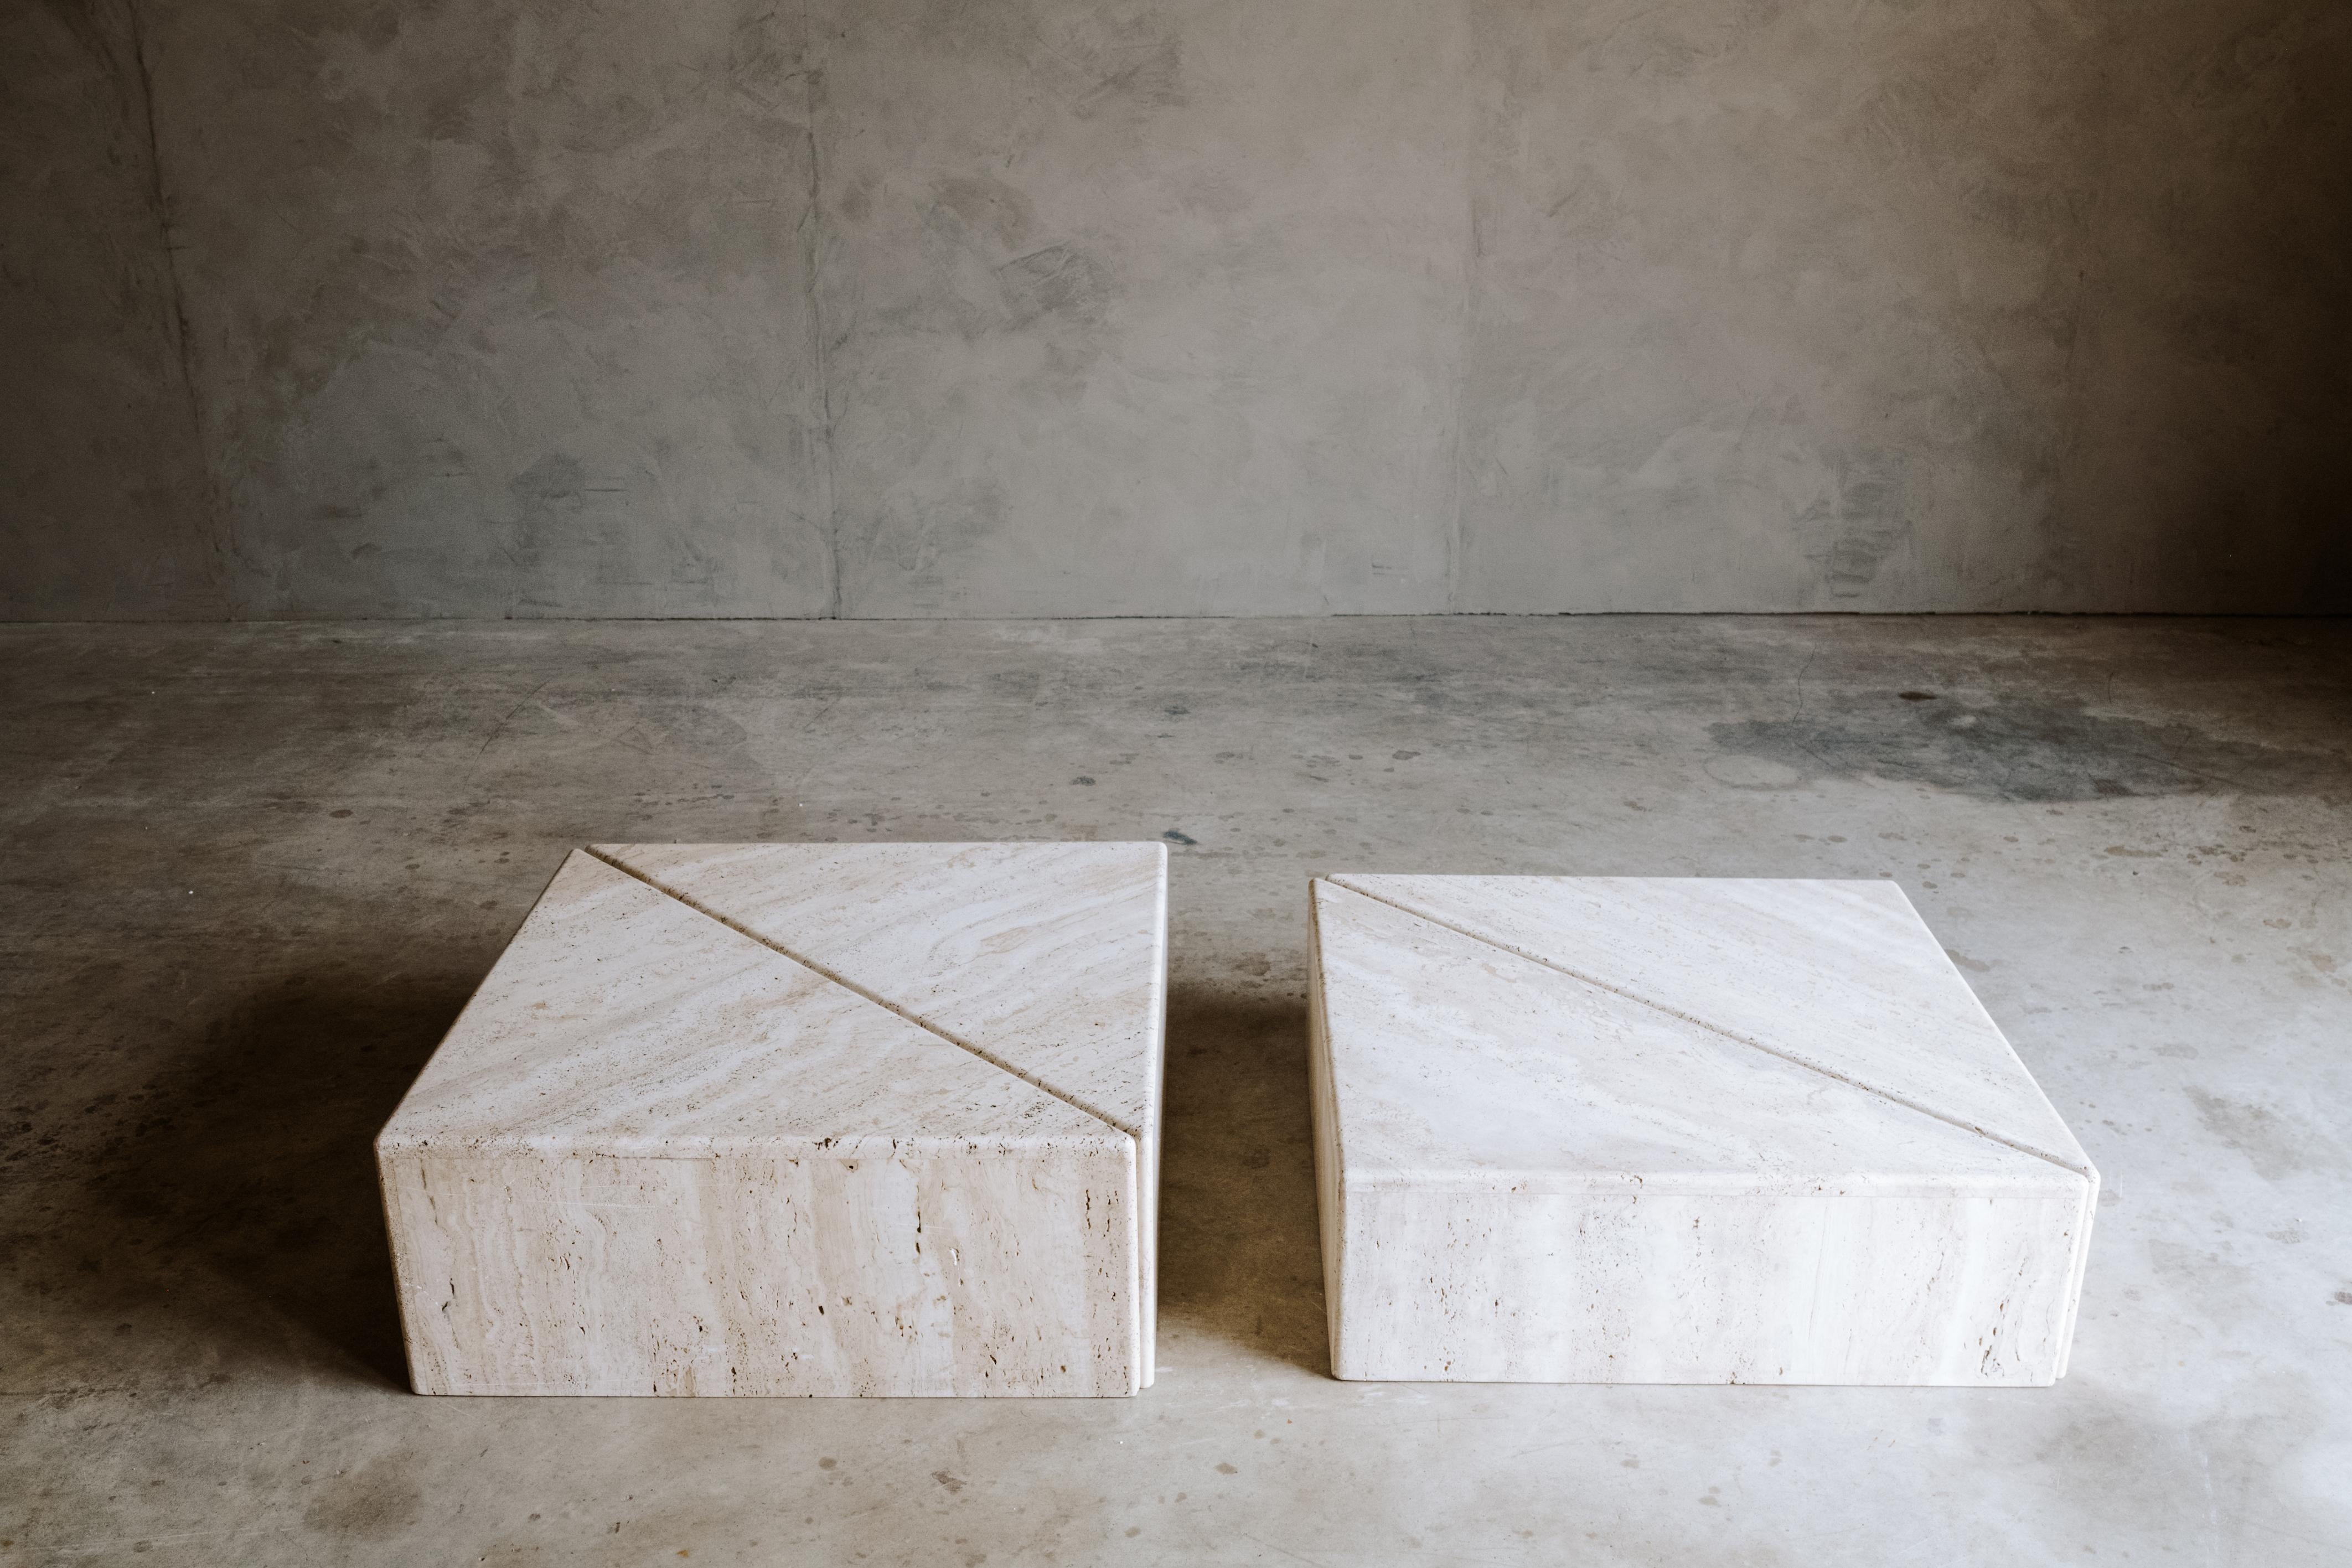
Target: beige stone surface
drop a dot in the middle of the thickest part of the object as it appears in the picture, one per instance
(1640, 1130)
(661, 1155)
(1048, 960)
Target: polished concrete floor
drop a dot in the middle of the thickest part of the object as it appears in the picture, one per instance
(251, 874)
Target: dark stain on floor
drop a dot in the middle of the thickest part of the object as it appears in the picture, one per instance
(379, 1501)
(2024, 750)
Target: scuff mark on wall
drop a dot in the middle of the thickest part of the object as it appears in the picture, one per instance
(1056, 281)
(1864, 520)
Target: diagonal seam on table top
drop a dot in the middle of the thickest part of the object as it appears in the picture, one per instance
(1751, 1042)
(884, 1003)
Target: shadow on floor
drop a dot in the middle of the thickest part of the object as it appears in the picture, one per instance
(241, 1208)
(232, 1221)
(1238, 1251)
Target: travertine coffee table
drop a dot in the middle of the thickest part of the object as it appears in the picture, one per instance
(807, 1119)
(1633, 1129)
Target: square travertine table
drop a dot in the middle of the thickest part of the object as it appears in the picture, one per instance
(1650, 1130)
(797, 1118)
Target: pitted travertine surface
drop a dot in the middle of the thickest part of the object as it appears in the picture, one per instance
(659, 1155)
(956, 936)
(1538, 1165)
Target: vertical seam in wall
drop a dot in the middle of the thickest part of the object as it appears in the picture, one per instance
(182, 347)
(2060, 548)
(812, 256)
(1452, 586)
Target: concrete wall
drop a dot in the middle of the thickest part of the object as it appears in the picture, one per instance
(106, 507)
(1037, 307)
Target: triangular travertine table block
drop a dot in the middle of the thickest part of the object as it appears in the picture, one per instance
(797, 1118)
(1648, 1130)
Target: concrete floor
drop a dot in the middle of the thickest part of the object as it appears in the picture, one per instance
(252, 872)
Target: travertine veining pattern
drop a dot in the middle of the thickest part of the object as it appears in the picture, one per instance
(1537, 1164)
(957, 936)
(622, 1016)
(659, 1155)
(932, 1268)
(1822, 972)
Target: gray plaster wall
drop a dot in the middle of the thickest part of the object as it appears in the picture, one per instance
(981, 308)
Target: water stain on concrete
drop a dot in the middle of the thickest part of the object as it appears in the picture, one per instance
(377, 1503)
(2275, 1144)
(2124, 1461)
(2026, 749)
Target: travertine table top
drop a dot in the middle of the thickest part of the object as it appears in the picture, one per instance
(1807, 1028)
(669, 996)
